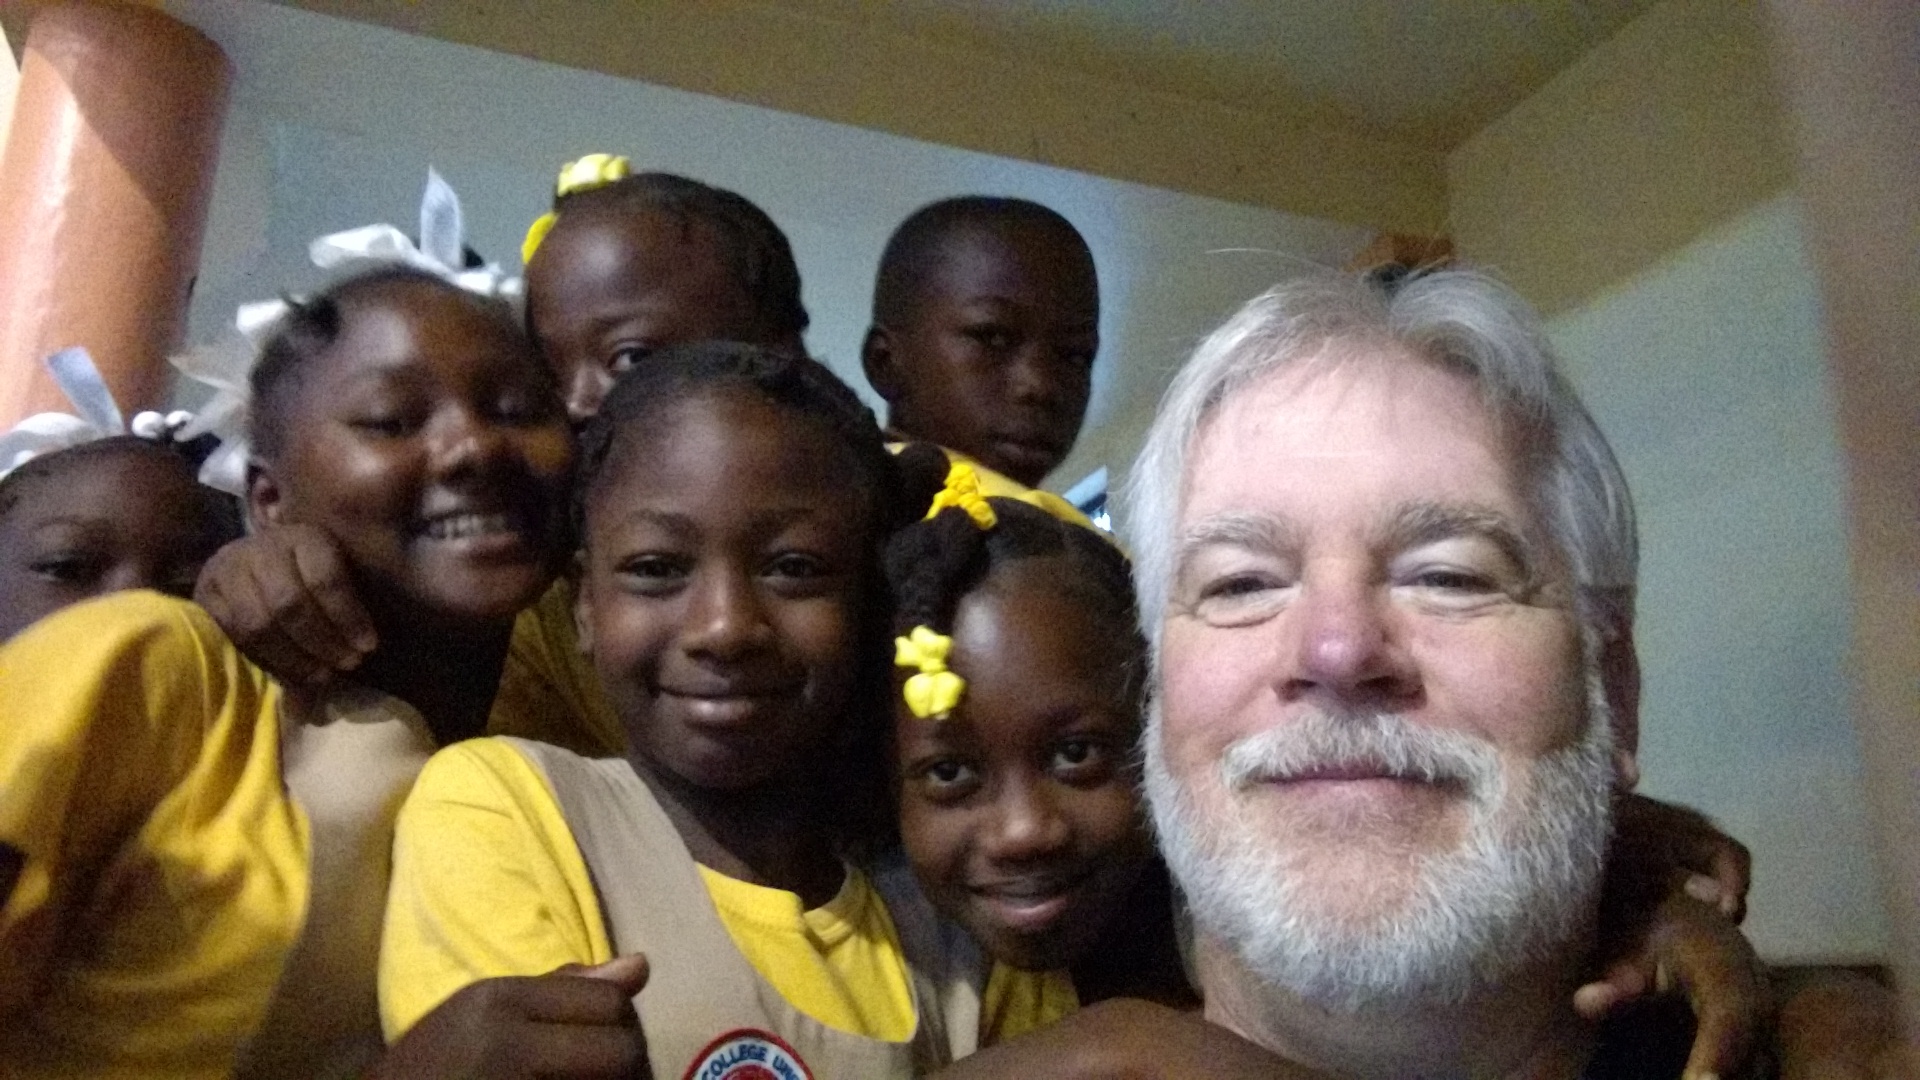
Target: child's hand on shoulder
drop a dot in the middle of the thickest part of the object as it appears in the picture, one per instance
(1676, 890)
(574, 1024)
(285, 597)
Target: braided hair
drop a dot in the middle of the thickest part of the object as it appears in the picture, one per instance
(223, 510)
(933, 564)
(313, 325)
(756, 253)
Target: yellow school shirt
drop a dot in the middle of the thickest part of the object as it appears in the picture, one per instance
(998, 485)
(487, 882)
(549, 691)
(1016, 1002)
(166, 871)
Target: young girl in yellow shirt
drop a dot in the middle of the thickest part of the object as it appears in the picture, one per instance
(202, 852)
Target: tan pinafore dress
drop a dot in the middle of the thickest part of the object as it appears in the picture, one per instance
(349, 757)
(707, 1013)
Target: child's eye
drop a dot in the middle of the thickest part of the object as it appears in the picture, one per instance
(994, 338)
(948, 778)
(625, 356)
(651, 573)
(794, 564)
(385, 425)
(519, 408)
(1081, 759)
(68, 568)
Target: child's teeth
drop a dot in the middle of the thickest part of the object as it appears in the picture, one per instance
(461, 526)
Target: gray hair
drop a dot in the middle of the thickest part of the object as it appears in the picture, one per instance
(1460, 320)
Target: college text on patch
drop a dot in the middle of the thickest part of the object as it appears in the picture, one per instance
(748, 1054)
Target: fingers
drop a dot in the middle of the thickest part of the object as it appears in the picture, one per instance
(1725, 982)
(1625, 981)
(1733, 869)
(328, 584)
(285, 597)
(575, 998)
(629, 973)
(581, 1053)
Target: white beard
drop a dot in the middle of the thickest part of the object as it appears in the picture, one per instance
(1518, 891)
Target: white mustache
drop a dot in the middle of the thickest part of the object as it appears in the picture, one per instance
(1324, 740)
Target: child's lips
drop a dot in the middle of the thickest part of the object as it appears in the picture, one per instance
(1029, 906)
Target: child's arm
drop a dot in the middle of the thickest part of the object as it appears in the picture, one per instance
(1676, 887)
(1126, 1039)
(285, 597)
(576, 1024)
(487, 882)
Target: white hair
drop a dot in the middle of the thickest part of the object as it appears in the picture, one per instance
(1460, 320)
(1519, 890)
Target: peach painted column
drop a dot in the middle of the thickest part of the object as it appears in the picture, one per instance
(104, 185)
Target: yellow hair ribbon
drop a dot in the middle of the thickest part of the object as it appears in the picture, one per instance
(934, 691)
(582, 174)
(962, 490)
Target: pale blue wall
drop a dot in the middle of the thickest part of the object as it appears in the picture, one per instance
(334, 124)
(1707, 374)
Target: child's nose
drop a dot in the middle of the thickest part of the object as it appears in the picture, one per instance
(724, 617)
(585, 391)
(1028, 824)
(1033, 378)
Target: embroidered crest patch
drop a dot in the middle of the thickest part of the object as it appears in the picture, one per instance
(748, 1054)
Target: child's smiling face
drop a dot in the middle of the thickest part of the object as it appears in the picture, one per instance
(428, 443)
(102, 522)
(727, 568)
(611, 285)
(1019, 811)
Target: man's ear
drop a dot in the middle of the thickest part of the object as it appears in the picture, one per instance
(1620, 681)
(878, 361)
(582, 604)
(266, 501)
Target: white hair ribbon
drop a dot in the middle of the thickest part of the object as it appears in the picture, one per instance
(73, 370)
(228, 367)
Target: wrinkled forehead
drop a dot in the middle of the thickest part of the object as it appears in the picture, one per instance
(1352, 410)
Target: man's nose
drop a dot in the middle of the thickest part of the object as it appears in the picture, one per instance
(1027, 823)
(725, 619)
(1344, 644)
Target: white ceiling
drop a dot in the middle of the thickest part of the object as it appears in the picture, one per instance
(1428, 72)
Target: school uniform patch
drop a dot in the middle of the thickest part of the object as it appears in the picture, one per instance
(748, 1054)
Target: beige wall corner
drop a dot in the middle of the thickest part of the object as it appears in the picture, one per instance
(1666, 129)
(1849, 70)
(9, 85)
(850, 73)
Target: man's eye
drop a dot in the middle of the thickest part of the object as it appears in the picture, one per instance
(1240, 599)
(625, 356)
(1452, 580)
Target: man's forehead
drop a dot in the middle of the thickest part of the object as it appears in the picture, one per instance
(1372, 415)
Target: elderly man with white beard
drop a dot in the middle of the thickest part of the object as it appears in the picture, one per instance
(1387, 567)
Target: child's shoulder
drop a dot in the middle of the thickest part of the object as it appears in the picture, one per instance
(495, 775)
(130, 617)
